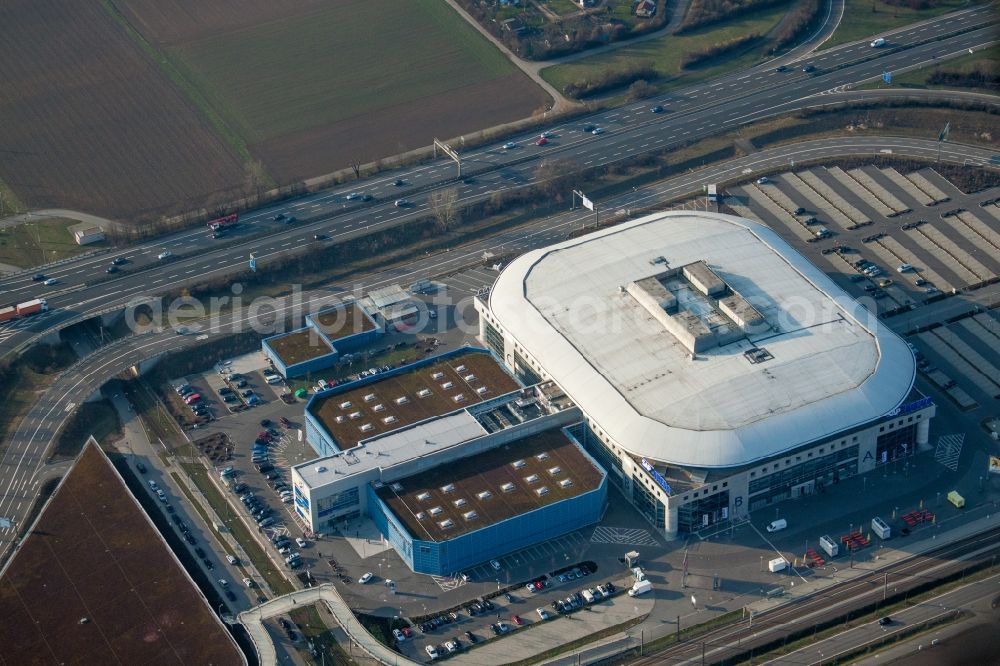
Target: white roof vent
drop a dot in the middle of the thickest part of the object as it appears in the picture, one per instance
(437, 375)
(544, 490)
(450, 488)
(470, 515)
(517, 464)
(481, 390)
(365, 427)
(459, 398)
(345, 405)
(396, 487)
(339, 419)
(484, 495)
(460, 502)
(447, 523)
(369, 397)
(320, 469)
(423, 496)
(566, 483)
(423, 393)
(447, 385)
(421, 515)
(355, 415)
(469, 378)
(531, 478)
(378, 408)
(507, 487)
(389, 419)
(555, 470)
(402, 400)
(459, 368)
(436, 511)
(543, 455)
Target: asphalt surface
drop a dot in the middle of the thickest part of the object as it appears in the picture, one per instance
(85, 289)
(22, 465)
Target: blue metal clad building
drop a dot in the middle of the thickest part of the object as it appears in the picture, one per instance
(341, 345)
(451, 556)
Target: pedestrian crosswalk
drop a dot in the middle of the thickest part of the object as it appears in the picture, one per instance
(623, 536)
(949, 450)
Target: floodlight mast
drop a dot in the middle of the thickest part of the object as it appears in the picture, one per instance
(450, 152)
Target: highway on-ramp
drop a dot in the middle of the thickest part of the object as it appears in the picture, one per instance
(23, 463)
(84, 287)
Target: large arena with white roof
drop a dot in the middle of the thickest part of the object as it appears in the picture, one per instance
(717, 369)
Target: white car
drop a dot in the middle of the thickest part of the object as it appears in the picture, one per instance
(366, 578)
(400, 203)
(50, 282)
(166, 254)
(248, 582)
(302, 542)
(878, 43)
(495, 564)
(545, 135)
(431, 652)
(762, 180)
(542, 613)
(451, 646)
(232, 560)
(352, 196)
(509, 145)
(223, 582)
(399, 635)
(597, 130)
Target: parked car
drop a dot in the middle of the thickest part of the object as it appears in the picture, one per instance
(366, 578)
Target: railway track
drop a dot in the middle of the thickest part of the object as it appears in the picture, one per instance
(739, 640)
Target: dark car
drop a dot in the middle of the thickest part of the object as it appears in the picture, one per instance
(38, 277)
(399, 182)
(265, 468)
(199, 552)
(118, 261)
(208, 564)
(112, 269)
(472, 637)
(781, 68)
(809, 68)
(190, 538)
(657, 109)
(230, 595)
(589, 128)
(885, 621)
(142, 468)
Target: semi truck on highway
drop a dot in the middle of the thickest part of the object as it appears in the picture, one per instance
(25, 309)
(225, 222)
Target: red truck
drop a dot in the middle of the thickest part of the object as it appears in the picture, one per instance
(225, 222)
(24, 309)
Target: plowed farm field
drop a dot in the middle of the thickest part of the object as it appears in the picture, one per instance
(91, 122)
(320, 87)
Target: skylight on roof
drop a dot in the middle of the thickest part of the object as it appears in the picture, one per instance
(423, 496)
(448, 488)
(507, 487)
(447, 523)
(436, 511)
(470, 515)
(531, 478)
(484, 495)
(460, 502)
(518, 464)
(566, 483)
(555, 470)
(544, 490)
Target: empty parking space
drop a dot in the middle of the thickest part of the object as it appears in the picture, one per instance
(940, 340)
(870, 181)
(860, 191)
(908, 186)
(559, 552)
(965, 276)
(957, 254)
(983, 233)
(777, 213)
(822, 206)
(813, 179)
(993, 210)
(470, 281)
(924, 184)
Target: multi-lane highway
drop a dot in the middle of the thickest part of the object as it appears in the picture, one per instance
(22, 465)
(84, 287)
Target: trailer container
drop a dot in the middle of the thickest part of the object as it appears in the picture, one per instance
(777, 564)
(956, 499)
(880, 528)
(32, 307)
(829, 546)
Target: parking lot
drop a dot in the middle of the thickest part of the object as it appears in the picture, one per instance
(894, 240)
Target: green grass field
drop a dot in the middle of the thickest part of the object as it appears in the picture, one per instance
(39, 242)
(860, 21)
(336, 63)
(987, 60)
(665, 53)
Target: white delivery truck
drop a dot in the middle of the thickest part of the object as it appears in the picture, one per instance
(640, 587)
(777, 525)
(828, 545)
(777, 564)
(881, 528)
(588, 596)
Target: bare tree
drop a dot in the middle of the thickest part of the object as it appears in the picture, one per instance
(356, 167)
(444, 206)
(553, 178)
(254, 181)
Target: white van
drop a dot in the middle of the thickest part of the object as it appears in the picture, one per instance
(777, 525)
(878, 42)
(904, 268)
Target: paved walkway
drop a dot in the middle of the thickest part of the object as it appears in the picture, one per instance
(253, 620)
